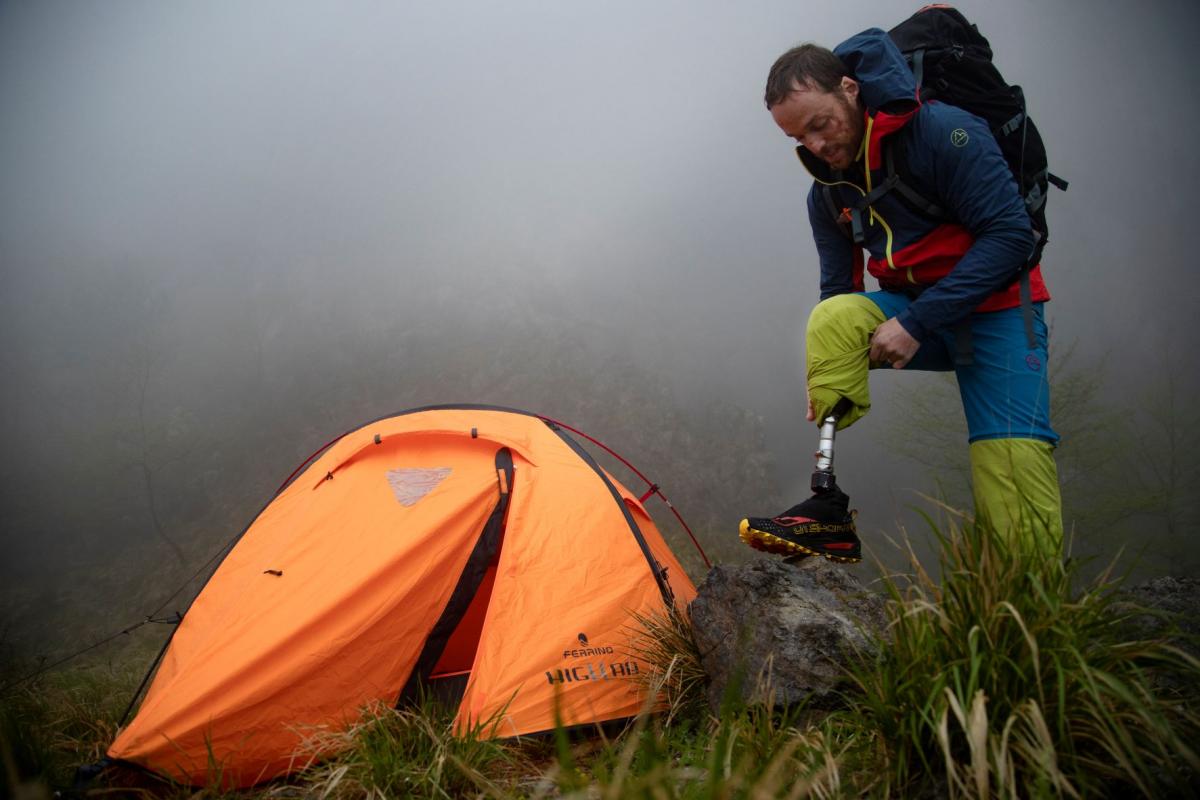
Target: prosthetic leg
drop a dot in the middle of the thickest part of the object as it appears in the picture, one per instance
(823, 479)
(820, 526)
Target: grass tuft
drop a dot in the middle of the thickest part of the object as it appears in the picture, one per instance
(413, 752)
(665, 641)
(1004, 679)
(54, 723)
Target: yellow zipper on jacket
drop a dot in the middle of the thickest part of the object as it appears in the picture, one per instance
(887, 250)
(874, 215)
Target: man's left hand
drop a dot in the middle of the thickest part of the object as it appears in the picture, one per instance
(891, 344)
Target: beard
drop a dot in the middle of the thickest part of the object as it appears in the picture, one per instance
(842, 154)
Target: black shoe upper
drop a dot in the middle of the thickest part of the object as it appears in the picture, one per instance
(832, 506)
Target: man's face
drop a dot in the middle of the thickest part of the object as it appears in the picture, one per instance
(828, 124)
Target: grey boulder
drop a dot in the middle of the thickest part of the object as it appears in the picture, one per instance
(779, 633)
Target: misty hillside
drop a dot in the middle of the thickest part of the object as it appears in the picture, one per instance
(230, 232)
(164, 466)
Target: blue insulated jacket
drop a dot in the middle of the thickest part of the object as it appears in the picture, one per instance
(958, 265)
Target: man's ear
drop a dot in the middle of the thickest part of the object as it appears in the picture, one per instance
(850, 88)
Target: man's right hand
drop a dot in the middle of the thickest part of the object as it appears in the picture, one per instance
(811, 416)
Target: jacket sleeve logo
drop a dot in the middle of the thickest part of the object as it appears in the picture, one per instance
(959, 137)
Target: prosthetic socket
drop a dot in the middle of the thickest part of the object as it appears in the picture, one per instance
(823, 479)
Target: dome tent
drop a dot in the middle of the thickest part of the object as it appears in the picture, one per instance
(479, 547)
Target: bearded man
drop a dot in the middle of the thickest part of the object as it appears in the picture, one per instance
(949, 293)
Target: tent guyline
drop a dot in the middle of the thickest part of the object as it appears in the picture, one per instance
(151, 618)
(478, 550)
(42, 670)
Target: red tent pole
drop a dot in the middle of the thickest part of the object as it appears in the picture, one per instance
(307, 461)
(653, 486)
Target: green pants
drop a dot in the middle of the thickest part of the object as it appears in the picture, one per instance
(1005, 395)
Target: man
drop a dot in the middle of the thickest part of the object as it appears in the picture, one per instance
(949, 296)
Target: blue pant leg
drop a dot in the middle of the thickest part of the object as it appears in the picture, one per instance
(1006, 391)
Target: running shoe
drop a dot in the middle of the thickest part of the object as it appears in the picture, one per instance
(820, 526)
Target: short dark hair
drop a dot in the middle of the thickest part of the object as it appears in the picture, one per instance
(801, 66)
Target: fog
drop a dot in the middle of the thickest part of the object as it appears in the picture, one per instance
(231, 231)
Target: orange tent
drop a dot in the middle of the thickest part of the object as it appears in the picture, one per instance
(466, 543)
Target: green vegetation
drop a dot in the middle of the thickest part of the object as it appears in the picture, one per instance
(1004, 680)
(1003, 675)
(50, 726)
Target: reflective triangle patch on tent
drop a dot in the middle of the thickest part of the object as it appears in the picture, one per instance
(410, 485)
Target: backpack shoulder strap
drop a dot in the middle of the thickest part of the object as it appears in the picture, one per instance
(895, 159)
(899, 180)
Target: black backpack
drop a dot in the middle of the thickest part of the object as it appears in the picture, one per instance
(952, 62)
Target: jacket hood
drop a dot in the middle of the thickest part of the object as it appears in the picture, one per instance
(885, 81)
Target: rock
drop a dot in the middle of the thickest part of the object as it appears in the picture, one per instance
(787, 629)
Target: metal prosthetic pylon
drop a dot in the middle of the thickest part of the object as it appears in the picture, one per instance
(823, 479)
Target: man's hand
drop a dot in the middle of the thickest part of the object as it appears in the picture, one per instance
(891, 344)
